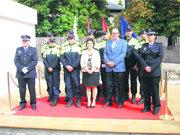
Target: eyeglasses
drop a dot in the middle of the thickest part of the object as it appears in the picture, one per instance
(115, 33)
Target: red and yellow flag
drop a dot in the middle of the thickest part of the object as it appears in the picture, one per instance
(105, 27)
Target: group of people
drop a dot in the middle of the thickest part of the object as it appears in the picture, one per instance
(113, 59)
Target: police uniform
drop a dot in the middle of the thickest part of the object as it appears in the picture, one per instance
(100, 46)
(26, 60)
(143, 41)
(152, 56)
(71, 56)
(44, 47)
(130, 62)
(51, 59)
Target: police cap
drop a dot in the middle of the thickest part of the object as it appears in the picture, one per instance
(52, 40)
(49, 34)
(129, 28)
(89, 32)
(105, 32)
(144, 31)
(70, 32)
(25, 37)
(151, 32)
(71, 36)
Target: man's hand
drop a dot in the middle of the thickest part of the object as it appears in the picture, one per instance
(24, 70)
(69, 68)
(148, 69)
(111, 64)
(50, 69)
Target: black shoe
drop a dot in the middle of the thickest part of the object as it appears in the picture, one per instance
(66, 99)
(140, 101)
(146, 110)
(116, 99)
(155, 112)
(78, 104)
(126, 98)
(49, 99)
(70, 103)
(87, 106)
(104, 100)
(22, 107)
(34, 108)
(97, 99)
(54, 102)
(92, 106)
(120, 106)
(107, 104)
(133, 100)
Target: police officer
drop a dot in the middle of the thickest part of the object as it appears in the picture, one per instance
(70, 59)
(45, 46)
(100, 46)
(143, 41)
(51, 60)
(151, 56)
(130, 62)
(26, 60)
(69, 32)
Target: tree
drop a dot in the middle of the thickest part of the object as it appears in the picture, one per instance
(57, 16)
(162, 16)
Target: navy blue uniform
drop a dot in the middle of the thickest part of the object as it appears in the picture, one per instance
(151, 56)
(27, 59)
(71, 56)
(51, 59)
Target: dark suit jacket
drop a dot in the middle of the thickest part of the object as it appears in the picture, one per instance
(27, 59)
(151, 57)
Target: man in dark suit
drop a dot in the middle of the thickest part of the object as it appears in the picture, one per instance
(26, 60)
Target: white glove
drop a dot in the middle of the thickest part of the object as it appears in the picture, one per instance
(24, 70)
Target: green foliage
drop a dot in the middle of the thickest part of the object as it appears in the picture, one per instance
(162, 16)
(57, 16)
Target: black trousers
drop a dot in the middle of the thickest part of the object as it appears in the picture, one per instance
(103, 78)
(133, 78)
(53, 81)
(151, 85)
(117, 79)
(140, 79)
(22, 82)
(72, 82)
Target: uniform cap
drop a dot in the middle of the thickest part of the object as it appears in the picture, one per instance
(105, 32)
(25, 37)
(70, 32)
(71, 36)
(129, 28)
(144, 31)
(49, 34)
(151, 32)
(89, 32)
(52, 40)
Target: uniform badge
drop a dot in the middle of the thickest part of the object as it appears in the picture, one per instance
(19, 52)
(144, 49)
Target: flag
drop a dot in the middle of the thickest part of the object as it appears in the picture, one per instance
(88, 27)
(105, 27)
(124, 24)
(75, 29)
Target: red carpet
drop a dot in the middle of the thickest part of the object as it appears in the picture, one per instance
(130, 111)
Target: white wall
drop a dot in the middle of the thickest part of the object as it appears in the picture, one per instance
(15, 20)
